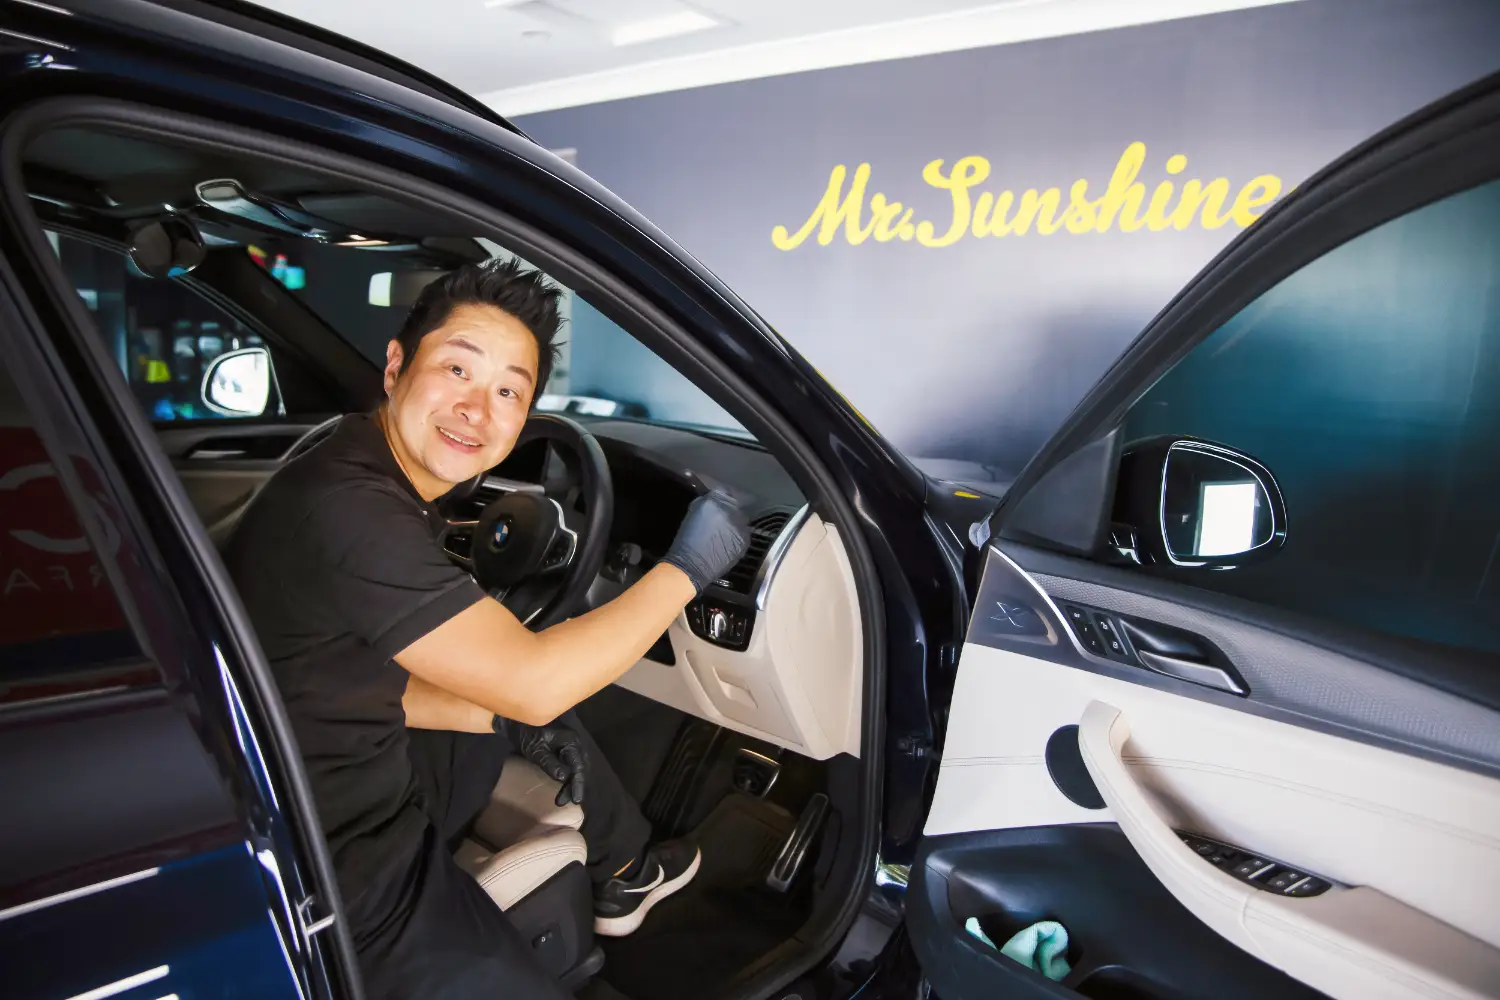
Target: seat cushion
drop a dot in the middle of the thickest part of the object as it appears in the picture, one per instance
(523, 800)
(511, 874)
(523, 837)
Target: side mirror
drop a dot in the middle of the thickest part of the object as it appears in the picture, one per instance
(1190, 503)
(238, 384)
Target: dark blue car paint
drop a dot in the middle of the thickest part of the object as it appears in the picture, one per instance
(166, 57)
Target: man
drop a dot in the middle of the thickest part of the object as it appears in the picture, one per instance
(388, 657)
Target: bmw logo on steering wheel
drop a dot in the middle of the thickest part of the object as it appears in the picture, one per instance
(502, 534)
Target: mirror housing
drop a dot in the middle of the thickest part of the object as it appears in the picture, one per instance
(1195, 504)
(167, 247)
(238, 384)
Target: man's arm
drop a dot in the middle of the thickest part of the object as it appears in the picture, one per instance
(485, 655)
(428, 706)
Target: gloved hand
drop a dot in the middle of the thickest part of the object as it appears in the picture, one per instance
(713, 537)
(554, 749)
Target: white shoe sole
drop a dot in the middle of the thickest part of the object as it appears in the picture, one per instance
(621, 926)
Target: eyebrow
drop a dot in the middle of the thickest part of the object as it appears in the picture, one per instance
(469, 345)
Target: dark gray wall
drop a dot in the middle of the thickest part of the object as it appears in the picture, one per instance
(976, 351)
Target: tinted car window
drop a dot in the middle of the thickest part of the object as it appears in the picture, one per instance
(162, 334)
(601, 370)
(1367, 382)
(61, 627)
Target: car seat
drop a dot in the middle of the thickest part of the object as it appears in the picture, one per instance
(527, 854)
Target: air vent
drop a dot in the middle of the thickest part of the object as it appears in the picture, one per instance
(763, 532)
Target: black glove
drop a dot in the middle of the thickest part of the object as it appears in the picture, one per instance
(554, 749)
(713, 537)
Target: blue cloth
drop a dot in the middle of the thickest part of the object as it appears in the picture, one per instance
(1042, 947)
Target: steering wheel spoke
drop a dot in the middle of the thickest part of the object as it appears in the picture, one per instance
(564, 547)
(457, 542)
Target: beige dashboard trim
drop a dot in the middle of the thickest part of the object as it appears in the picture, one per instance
(800, 682)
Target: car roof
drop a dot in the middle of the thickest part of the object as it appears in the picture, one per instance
(281, 28)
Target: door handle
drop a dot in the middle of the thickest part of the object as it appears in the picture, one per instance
(1351, 943)
(1175, 652)
(1194, 673)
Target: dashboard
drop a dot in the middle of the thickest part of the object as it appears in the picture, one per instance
(774, 649)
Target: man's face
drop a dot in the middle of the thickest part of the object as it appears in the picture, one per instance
(456, 411)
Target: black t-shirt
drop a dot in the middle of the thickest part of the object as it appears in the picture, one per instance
(338, 564)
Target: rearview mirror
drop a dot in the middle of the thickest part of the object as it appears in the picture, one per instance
(166, 247)
(238, 384)
(1192, 503)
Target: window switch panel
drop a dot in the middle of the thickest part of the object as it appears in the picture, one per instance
(1263, 873)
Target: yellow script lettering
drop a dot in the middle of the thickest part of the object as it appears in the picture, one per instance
(885, 215)
(966, 173)
(842, 209)
(1124, 195)
(1079, 218)
(1041, 207)
(1266, 186)
(833, 210)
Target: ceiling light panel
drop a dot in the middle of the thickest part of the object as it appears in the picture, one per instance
(653, 29)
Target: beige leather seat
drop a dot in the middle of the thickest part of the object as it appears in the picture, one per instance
(523, 838)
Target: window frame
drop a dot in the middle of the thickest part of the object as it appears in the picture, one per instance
(1443, 149)
(1364, 584)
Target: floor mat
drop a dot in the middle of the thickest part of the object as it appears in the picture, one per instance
(723, 921)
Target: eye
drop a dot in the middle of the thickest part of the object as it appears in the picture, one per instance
(457, 370)
(508, 393)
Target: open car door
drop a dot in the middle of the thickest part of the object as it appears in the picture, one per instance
(1229, 705)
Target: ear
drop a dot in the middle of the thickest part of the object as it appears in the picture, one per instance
(393, 358)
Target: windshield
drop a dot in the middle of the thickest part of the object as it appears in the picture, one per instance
(602, 370)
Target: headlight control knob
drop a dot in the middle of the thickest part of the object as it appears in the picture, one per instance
(718, 625)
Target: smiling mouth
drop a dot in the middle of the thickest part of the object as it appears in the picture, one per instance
(465, 442)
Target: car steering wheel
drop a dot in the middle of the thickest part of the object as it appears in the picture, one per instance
(529, 547)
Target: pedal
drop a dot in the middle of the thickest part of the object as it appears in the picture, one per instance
(755, 773)
(798, 843)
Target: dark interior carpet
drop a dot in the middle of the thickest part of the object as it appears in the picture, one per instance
(635, 734)
(694, 941)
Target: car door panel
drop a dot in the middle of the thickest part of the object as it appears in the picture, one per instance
(1334, 799)
(223, 465)
(1297, 753)
(1128, 936)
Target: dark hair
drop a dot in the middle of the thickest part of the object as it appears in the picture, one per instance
(523, 293)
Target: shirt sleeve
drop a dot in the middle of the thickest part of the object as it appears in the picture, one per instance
(378, 567)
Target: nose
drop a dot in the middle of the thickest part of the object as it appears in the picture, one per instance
(473, 406)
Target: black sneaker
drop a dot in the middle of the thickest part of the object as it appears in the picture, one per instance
(620, 905)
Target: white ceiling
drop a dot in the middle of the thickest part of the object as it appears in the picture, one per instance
(522, 56)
